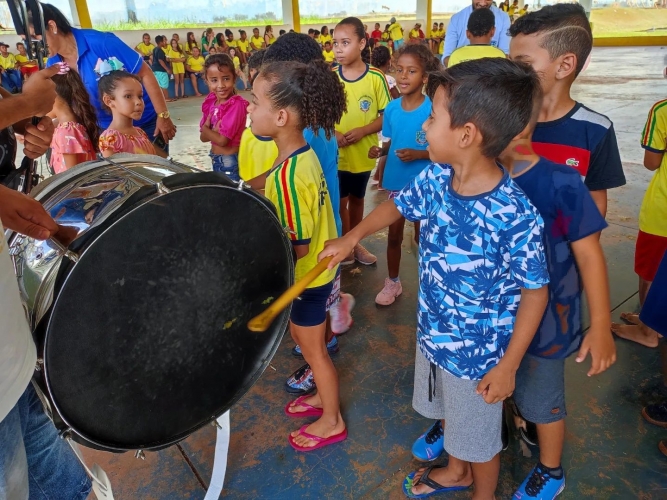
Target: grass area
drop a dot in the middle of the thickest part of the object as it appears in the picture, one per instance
(619, 22)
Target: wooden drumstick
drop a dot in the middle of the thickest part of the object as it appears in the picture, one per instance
(261, 322)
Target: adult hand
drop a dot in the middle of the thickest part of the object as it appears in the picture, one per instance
(24, 215)
(165, 127)
(39, 91)
(37, 138)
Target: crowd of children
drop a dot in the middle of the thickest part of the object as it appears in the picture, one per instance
(504, 175)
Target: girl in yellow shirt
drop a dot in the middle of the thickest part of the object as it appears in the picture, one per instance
(195, 66)
(177, 59)
(237, 67)
(268, 36)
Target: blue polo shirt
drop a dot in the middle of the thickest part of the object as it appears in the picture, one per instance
(93, 45)
(456, 31)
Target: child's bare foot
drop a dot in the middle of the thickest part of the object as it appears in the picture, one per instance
(313, 401)
(444, 476)
(324, 428)
(632, 318)
(636, 333)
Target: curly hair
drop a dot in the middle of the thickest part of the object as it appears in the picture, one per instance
(108, 84)
(294, 47)
(481, 22)
(71, 89)
(312, 90)
(256, 59)
(422, 54)
(221, 61)
(380, 56)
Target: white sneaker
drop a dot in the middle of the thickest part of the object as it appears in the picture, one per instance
(391, 290)
(341, 314)
(363, 256)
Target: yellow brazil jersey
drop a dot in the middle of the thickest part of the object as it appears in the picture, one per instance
(472, 52)
(329, 57)
(256, 42)
(24, 59)
(196, 63)
(256, 155)
(324, 39)
(243, 45)
(145, 50)
(414, 33)
(298, 190)
(653, 213)
(271, 41)
(385, 36)
(367, 96)
(8, 62)
(396, 32)
(441, 49)
(237, 62)
(232, 43)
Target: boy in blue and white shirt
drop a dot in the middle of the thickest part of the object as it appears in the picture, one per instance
(481, 264)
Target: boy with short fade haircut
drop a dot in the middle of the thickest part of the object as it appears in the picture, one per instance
(557, 40)
(576, 263)
(481, 28)
(482, 267)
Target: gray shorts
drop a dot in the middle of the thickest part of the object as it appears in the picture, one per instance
(540, 389)
(472, 427)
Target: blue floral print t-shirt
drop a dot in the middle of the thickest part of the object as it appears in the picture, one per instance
(475, 255)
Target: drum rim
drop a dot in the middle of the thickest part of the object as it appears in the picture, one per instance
(284, 323)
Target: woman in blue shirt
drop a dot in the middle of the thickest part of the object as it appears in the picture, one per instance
(81, 48)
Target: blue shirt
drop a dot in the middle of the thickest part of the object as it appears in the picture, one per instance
(569, 215)
(327, 152)
(93, 45)
(654, 313)
(475, 254)
(404, 128)
(458, 25)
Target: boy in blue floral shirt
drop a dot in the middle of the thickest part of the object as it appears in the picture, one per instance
(482, 267)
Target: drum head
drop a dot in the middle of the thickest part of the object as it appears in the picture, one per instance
(147, 339)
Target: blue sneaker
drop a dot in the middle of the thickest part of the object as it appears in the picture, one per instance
(332, 348)
(540, 485)
(301, 381)
(430, 445)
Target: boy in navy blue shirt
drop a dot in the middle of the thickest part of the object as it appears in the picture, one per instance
(574, 258)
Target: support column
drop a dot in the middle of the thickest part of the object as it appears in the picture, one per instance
(425, 14)
(80, 14)
(291, 16)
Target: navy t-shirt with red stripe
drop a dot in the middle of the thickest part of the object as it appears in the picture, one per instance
(584, 140)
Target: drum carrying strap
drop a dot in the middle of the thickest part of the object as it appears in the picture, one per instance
(220, 457)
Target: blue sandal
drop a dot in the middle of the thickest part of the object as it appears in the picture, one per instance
(409, 482)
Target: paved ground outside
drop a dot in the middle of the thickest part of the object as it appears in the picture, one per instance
(610, 453)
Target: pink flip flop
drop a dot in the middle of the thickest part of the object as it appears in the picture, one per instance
(311, 411)
(321, 442)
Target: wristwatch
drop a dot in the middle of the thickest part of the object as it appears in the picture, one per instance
(164, 114)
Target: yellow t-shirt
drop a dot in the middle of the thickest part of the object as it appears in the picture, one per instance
(513, 10)
(237, 62)
(271, 40)
(385, 36)
(177, 67)
(145, 50)
(256, 42)
(329, 57)
(196, 63)
(8, 62)
(414, 33)
(441, 49)
(299, 191)
(653, 213)
(243, 45)
(366, 98)
(24, 59)
(396, 32)
(256, 155)
(324, 39)
(233, 43)
(472, 52)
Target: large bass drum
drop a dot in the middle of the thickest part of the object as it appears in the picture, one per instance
(141, 321)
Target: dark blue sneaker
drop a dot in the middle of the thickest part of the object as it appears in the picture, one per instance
(429, 445)
(301, 381)
(540, 485)
(332, 348)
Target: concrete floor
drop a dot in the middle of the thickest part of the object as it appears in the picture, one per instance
(611, 453)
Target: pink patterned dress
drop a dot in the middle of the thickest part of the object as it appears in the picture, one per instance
(119, 142)
(70, 138)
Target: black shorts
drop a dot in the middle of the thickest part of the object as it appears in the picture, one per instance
(353, 184)
(310, 308)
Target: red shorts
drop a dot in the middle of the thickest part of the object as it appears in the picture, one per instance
(648, 254)
(29, 71)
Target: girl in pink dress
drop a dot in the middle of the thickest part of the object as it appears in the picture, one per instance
(77, 129)
(122, 95)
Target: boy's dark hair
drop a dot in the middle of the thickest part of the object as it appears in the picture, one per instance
(222, 61)
(71, 89)
(158, 39)
(256, 59)
(481, 22)
(565, 27)
(19, 44)
(327, 44)
(316, 33)
(358, 26)
(311, 31)
(282, 32)
(108, 83)
(494, 94)
(294, 47)
(422, 54)
(312, 90)
(380, 56)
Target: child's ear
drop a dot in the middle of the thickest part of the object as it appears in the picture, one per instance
(107, 100)
(567, 64)
(469, 136)
(282, 118)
